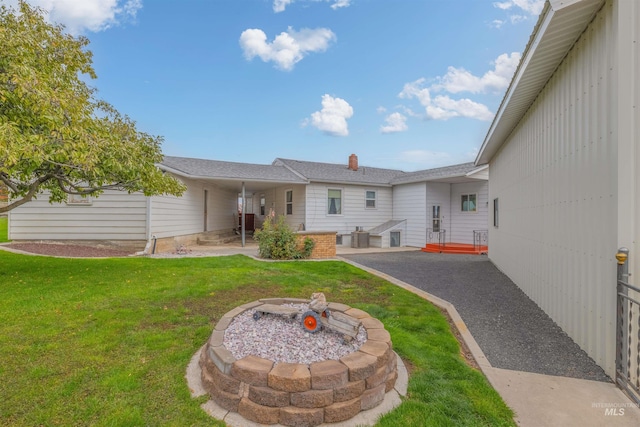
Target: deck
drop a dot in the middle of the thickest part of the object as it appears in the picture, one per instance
(455, 248)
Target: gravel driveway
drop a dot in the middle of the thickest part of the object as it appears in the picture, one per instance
(512, 331)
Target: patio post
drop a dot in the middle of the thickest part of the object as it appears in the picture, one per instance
(244, 206)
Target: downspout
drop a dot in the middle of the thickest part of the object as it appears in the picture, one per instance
(244, 208)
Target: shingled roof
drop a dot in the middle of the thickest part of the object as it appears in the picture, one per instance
(443, 173)
(201, 168)
(340, 173)
(301, 172)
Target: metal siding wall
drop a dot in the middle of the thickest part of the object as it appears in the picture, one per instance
(556, 183)
(636, 142)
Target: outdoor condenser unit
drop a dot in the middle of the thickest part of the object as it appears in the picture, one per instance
(360, 238)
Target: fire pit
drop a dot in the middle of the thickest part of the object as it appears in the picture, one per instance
(299, 392)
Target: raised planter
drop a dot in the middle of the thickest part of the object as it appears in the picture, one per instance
(294, 394)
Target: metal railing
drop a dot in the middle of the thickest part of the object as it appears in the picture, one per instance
(437, 236)
(480, 238)
(627, 330)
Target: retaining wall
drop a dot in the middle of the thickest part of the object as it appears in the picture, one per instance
(299, 394)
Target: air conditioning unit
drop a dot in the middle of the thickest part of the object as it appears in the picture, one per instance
(360, 239)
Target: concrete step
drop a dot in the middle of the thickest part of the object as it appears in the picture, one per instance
(218, 238)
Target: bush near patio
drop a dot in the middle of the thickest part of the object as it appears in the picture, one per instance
(276, 240)
(106, 342)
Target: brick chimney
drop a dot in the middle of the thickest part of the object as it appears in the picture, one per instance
(353, 162)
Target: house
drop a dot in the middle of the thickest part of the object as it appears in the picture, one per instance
(563, 152)
(390, 207)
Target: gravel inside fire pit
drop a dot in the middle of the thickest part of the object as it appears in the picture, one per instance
(281, 339)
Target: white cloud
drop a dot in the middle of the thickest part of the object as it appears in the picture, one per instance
(503, 5)
(415, 90)
(530, 7)
(443, 108)
(332, 119)
(340, 3)
(517, 18)
(381, 110)
(533, 7)
(80, 16)
(281, 5)
(395, 122)
(460, 80)
(288, 48)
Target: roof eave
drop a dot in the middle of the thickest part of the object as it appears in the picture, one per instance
(532, 58)
(231, 179)
(328, 181)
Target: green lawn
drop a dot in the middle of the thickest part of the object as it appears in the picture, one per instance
(105, 342)
(3, 229)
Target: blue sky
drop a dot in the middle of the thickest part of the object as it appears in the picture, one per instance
(404, 84)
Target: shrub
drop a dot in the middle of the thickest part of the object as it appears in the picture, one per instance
(277, 241)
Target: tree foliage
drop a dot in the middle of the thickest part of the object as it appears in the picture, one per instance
(55, 134)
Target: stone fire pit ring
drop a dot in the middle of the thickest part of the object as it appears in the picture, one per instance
(292, 394)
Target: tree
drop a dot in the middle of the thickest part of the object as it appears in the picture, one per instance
(55, 135)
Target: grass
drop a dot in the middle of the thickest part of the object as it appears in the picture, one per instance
(3, 229)
(105, 342)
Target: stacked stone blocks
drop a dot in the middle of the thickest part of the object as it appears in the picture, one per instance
(325, 243)
(294, 394)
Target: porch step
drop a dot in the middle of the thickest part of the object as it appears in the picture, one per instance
(455, 248)
(217, 238)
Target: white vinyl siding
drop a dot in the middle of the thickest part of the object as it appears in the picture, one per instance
(463, 223)
(278, 197)
(409, 202)
(354, 213)
(114, 215)
(556, 178)
(179, 216)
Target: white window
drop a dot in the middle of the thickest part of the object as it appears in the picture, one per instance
(468, 203)
(370, 199)
(495, 212)
(289, 202)
(334, 202)
(75, 199)
(262, 204)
